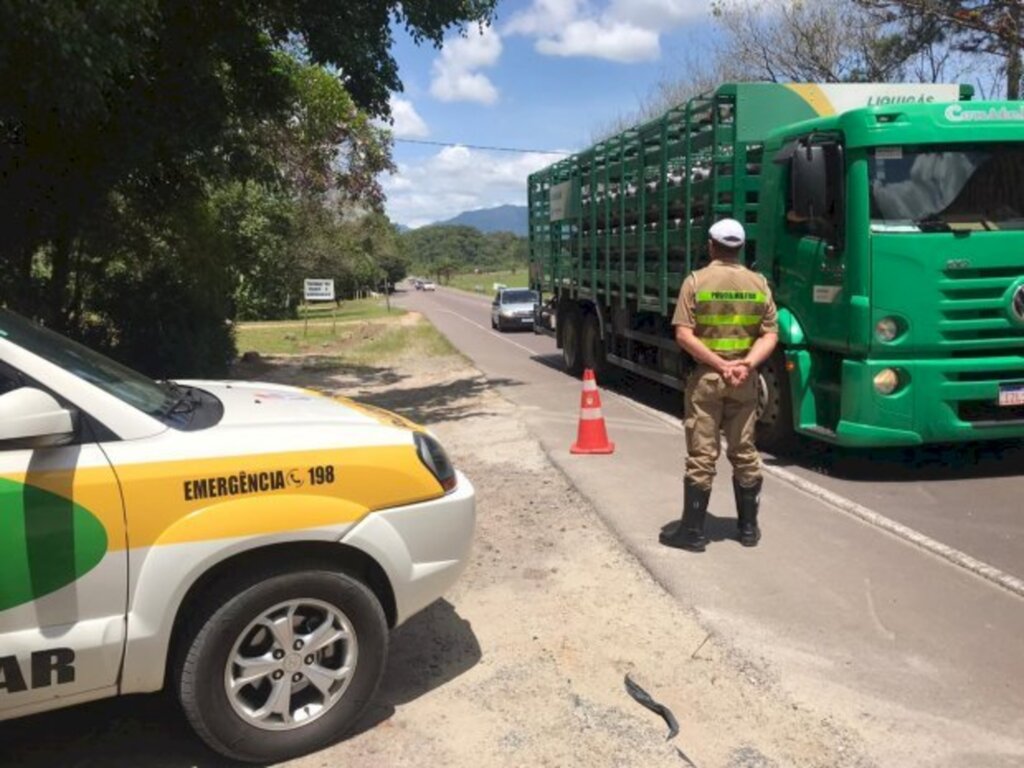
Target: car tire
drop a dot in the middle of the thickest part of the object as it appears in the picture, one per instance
(494, 324)
(228, 623)
(775, 432)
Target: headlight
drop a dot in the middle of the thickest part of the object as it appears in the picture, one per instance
(506, 313)
(435, 459)
(887, 381)
(887, 329)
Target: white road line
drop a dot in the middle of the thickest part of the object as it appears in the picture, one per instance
(866, 515)
(492, 332)
(850, 507)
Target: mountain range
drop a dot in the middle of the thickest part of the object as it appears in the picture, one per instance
(504, 218)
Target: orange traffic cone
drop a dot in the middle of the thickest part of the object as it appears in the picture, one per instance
(592, 436)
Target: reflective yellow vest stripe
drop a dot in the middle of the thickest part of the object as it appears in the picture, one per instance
(728, 345)
(729, 319)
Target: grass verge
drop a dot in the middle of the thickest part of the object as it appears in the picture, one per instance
(484, 282)
(359, 343)
(347, 309)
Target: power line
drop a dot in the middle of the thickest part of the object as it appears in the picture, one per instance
(477, 146)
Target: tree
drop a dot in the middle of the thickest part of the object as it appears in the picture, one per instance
(817, 41)
(993, 27)
(120, 119)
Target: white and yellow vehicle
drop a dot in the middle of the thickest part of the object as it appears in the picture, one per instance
(248, 544)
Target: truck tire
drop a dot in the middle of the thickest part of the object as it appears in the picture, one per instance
(593, 353)
(572, 347)
(279, 665)
(775, 432)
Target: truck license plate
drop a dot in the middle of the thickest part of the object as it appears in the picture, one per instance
(1011, 395)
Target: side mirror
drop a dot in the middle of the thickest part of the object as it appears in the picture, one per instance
(31, 414)
(817, 178)
(809, 177)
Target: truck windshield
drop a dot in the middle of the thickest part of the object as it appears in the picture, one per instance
(113, 378)
(938, 189)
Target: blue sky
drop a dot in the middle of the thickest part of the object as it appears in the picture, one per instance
(547, 74)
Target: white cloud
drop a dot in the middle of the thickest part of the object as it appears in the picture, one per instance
(455, 78)
(546, 15)
(658, 15)
(614, 41)
(458, 179)
(620, 30)
(408, 124)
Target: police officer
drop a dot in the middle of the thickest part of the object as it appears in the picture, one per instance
(725, 320)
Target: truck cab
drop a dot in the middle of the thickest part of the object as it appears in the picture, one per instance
(896, 249)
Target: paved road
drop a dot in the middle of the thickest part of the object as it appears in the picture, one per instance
(922, 658)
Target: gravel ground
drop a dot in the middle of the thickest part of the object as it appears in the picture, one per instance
(523, 662)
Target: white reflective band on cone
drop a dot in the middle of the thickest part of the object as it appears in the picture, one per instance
(590, 414)
(590, 385)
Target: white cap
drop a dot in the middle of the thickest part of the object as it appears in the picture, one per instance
(728, 232)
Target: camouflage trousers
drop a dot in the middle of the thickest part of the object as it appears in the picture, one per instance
(713, 407)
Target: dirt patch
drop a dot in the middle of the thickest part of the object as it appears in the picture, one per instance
(522, 664)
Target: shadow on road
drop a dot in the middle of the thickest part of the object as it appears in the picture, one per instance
(431, 649)
(445, 401)
(716, 529)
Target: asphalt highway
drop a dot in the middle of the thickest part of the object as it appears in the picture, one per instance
(918, 655)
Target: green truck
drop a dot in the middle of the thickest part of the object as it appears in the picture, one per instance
(888, 218)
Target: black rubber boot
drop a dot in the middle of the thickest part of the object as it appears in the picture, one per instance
(747, 502)
(688, 533)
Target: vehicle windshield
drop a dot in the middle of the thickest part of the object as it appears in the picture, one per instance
(113, 378)
(518, 297)
(939, 189)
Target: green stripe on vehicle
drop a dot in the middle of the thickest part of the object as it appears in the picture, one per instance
(729, 319)
(754, 296)
(728, 345)
(46, 542)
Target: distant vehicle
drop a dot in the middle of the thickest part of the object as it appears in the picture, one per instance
(428, 285)
(418, 284)
(513, 308)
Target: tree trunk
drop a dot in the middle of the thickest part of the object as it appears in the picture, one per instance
(1014, 70)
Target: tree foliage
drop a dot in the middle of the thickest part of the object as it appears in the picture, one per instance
(185, 147)
(445, 250)
(814, 41)
(994, 27)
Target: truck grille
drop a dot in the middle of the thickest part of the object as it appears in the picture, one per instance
(975, 312)
(985, 412)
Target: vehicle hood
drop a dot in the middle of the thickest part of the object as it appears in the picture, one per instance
(518, 307)
(251, 403)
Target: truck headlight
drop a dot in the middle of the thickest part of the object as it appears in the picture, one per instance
(887, 381)
(887, 329)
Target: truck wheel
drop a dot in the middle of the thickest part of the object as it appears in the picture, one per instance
(592, 347)
(282, 665)
(775, 407)
(571, 347)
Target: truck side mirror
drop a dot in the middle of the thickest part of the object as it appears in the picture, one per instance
(816, 176)
(30, 414)
(809, 180)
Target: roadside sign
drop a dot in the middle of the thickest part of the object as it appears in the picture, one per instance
(318, 290)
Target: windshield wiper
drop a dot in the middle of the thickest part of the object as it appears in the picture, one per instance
(931, 223)
(185, 402)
